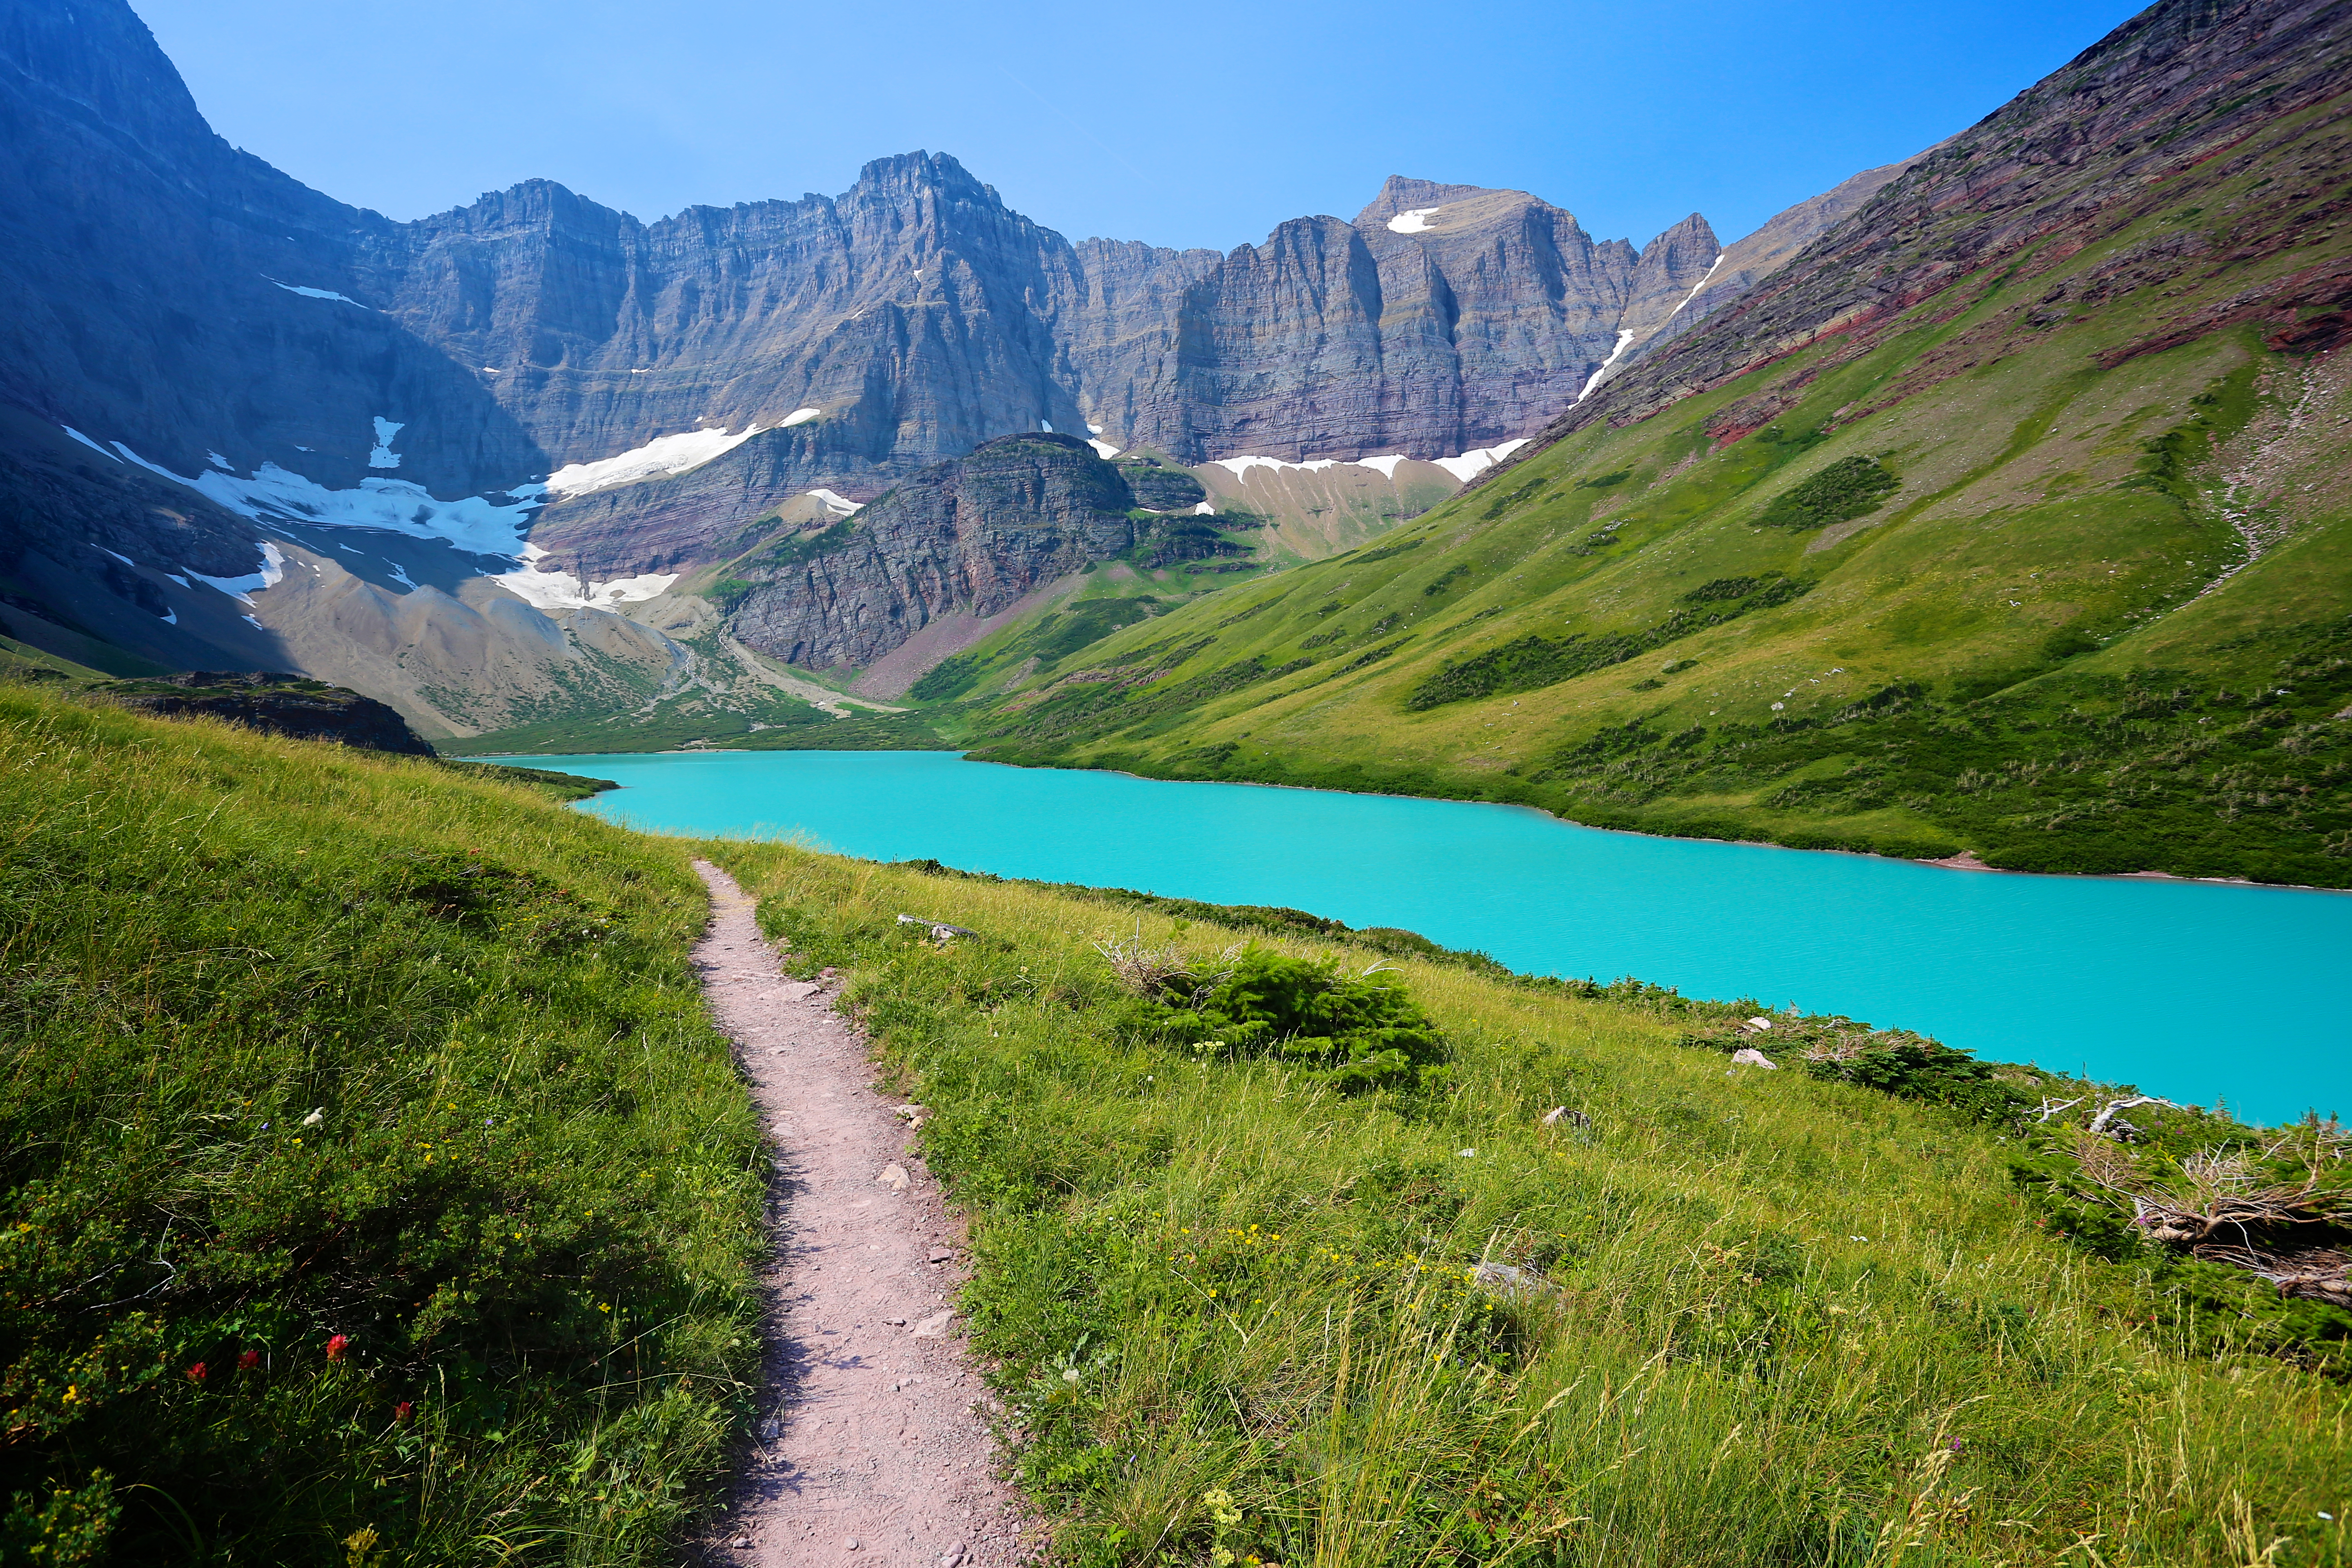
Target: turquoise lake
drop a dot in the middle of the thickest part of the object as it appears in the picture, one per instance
(2199, 991)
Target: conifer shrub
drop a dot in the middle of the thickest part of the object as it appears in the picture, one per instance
(1846, 488)
(1353, 1031)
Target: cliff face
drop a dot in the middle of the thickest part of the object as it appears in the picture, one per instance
(970, 535)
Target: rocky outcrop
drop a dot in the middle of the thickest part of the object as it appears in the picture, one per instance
(1748, 261)
(278, 704)
(969, 537)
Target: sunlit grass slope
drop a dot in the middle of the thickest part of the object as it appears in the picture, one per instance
(374, 1189)
(2089, 612)
(1762, 1318)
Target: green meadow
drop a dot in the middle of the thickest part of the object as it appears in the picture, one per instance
(375, 1190)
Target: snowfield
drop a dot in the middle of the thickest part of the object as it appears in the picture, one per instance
(662, 456)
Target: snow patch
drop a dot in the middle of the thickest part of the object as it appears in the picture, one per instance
(1697, 286)
(87, 442)
(1470, 465)
(799, 416)
(833, 502)
(217, 461)
(1205, 508)
(1094, 429)
(384, 457)
(241, 589)
(320, 294)
(563, 590)
(1102, 449)
(1462, 468)
(1413, 222)
(171, 617)
(399, 573)
(661, 456)
(274, 494)
(1240, 466)
(124, 558)
(1046, 424)
(1625, 340)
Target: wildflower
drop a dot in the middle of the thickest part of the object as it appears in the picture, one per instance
(403, 1412)
(338, 1346)
(196, 1373)
(1955, 1444)
(1069, 1374)
(249, 1362)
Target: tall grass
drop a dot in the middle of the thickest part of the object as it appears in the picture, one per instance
(1759, 1318)
(372, 1187)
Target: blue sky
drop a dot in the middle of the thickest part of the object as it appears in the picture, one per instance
(1201, 124)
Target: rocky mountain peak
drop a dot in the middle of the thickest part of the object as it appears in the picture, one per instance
(1403, 194)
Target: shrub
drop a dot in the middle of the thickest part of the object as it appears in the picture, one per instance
(1846, 488)
(1357, 1031)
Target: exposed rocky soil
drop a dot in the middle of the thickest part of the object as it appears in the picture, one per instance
(874, 1446)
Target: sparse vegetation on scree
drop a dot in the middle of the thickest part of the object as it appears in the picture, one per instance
(373, 1188)
(1874, 1307)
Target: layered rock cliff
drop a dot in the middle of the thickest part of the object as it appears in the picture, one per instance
(968, 537)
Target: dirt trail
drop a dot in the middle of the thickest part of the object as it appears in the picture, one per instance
(874, 1447)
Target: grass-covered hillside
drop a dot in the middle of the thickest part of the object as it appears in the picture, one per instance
(2043, 558)
(1231, 1204)
(373, 1188)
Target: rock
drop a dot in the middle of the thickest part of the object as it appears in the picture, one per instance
(894, 1177)
(934, 1327)
(276, 704)
(1748, 1056)
(1758, 1024)
(1507, 1282)
(909, 1112)
(1560, 1113)
(941, 1255)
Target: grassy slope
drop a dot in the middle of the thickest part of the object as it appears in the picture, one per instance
(2047, 505)
(529, 1201)
(1797, 1321)
(528, 1198)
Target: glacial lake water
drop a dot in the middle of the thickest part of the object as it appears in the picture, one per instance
(2199, 991)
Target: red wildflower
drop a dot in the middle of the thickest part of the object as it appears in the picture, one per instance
(402, 1411)
(196, 1373)
(337, 1347)
(249, 1362)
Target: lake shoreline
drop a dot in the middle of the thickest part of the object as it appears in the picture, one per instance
(1965, 860)
(2100, 972)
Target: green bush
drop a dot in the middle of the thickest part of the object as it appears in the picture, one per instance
(1353, 1031)
(1846, 488)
